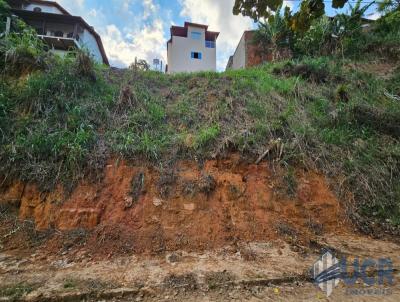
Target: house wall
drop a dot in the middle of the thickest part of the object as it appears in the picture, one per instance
(239, 57)
(249, 54)
(87, 40)
(254, 52)
(45, 8)
(179, 54)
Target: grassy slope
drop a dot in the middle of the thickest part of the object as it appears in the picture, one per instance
(57, 126)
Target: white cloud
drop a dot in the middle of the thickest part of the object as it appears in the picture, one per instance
(149, 8)
(218, 15)
(72, 5)
(146, 43)
(93, 13)
(144, 40)
(374, 15)
(289, 4)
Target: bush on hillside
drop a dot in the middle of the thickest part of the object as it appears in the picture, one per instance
(84, 64)
(318, 39)
(389, 26)
(345, 35)
(22, 53)
(381, 121)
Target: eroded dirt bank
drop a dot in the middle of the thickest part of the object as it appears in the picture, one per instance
(142, 209)
(224, 230)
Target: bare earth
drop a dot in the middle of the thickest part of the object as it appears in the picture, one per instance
(226, 231)
(270, 271)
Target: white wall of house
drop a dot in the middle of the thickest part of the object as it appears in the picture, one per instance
(87, 40)
(180, 49)
(239, 58)
(45, 8)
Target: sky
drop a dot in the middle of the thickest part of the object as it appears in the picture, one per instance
(141, 28)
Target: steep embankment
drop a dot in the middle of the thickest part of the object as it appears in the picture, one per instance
(227, 201)
(135, 185)
(141, 161)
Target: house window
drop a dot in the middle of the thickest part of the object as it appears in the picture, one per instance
(196, 55)
(195, 35)
(37, 10)
(210, 44)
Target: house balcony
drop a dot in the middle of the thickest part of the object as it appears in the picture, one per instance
(61, 32)
(61, 43)
(59, 36)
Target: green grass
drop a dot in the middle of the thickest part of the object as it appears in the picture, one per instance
(70, 284)
(17, 291)
(206, 135)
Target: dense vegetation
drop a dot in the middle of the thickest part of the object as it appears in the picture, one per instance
(347, 35)
(62, 119)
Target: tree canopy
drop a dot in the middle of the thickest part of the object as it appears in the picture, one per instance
(301, 20)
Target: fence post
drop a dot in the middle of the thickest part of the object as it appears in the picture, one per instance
(8, 25)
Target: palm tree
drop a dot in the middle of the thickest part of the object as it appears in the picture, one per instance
(274, 34)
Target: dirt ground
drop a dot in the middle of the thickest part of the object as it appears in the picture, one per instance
(274, 272)
(222, 230)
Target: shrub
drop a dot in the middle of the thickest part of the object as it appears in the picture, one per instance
(84, 64)
(318, 39)
(22, 53)
(388, 27)
(274, 35)
(384, 122)
(310, 72)
(343, 35)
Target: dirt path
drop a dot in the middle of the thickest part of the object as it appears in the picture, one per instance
(269, 271)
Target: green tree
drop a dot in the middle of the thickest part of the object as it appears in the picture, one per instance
(301, 21)
(275, 34)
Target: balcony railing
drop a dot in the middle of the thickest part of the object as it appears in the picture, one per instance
(60, 42)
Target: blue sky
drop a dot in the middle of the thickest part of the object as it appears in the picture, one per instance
(140, 28)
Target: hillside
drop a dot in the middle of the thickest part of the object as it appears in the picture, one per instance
(338, 118)
(114, 162)
(124, 184)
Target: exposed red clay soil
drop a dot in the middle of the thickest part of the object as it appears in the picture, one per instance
(140, 209)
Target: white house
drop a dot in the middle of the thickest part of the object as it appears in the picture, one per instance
(58, 28)
(192, 48)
